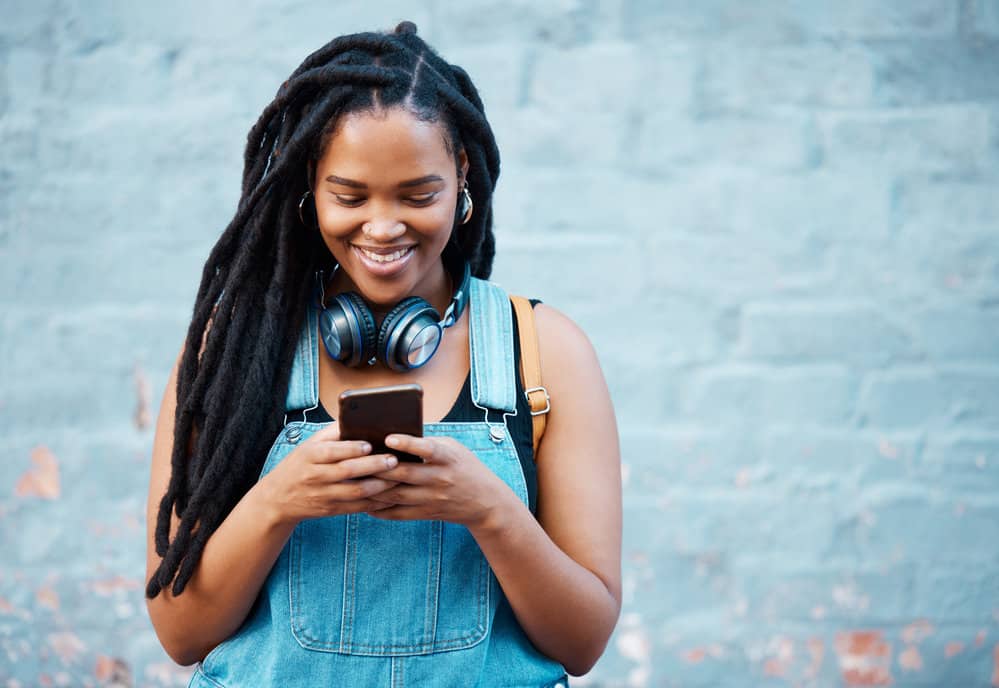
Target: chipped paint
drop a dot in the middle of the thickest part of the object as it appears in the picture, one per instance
(910, 659)
(634, 644)
(47, 597)
(167, 673)
(695, 655)
(917, 631)
(953, 648)
(66, 644)
(43, 479)
(816, 651)
(779, 664)
(773, 667)
(864, 658)
(107, 586)
(846, 596)
(112, 671)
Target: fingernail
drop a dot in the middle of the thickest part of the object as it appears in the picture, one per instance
(392, 441)
(365, 447)
(391, 461)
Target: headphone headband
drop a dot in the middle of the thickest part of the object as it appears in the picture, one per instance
(408, 335)
(461, 273)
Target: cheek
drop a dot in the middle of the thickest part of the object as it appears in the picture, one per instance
(335, 220)
(434, 220)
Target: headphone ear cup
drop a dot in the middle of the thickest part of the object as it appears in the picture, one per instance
(347, 329)
(365, 326)
(396, 333)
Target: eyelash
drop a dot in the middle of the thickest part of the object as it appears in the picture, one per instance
(355, 202)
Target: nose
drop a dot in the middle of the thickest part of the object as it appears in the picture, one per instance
(383, 230)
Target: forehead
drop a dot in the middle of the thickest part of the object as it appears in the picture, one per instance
(387, 140)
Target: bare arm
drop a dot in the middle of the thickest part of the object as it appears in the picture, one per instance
(233, 567)
(562, 572)
(241, 552)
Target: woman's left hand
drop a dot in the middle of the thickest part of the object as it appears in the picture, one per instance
(451, 485)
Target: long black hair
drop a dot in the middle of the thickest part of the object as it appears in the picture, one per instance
(256, 281)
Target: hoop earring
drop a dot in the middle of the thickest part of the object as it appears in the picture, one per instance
(301, 202)
(466, 204)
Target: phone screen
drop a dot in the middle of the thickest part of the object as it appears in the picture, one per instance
(372, 413)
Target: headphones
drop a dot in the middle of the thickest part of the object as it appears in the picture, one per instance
(409, 334)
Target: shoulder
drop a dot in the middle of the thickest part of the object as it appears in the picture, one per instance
(561, 339)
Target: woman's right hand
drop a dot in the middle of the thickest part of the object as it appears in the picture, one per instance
(325, 476)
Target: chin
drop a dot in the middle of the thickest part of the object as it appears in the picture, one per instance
(381, 291)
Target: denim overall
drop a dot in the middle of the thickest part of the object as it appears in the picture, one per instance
(356, 601)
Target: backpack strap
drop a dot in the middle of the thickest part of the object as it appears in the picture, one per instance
(530, 367)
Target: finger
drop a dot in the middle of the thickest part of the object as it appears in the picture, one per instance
(357, 490)
(360, 505)
(329, 433)
(412, 473)
(361, 466)
(427, 448)
(400, 513)
(331, 452)
(405, 496)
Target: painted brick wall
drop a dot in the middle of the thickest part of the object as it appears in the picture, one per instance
(776, 220)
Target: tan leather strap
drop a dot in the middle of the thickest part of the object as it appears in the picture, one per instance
(530, 367)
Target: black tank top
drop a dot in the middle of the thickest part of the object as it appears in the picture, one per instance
(521, 426)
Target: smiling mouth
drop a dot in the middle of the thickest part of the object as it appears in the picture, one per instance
(385, 257)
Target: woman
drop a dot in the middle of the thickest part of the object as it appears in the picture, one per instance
(279, 554)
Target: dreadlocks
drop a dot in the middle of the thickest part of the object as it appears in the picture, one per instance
(251, 302)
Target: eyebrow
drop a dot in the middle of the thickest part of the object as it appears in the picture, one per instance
(406, 184)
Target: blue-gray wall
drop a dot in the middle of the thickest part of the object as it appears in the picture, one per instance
(777, 221)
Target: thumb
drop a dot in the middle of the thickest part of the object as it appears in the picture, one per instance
(330, 433)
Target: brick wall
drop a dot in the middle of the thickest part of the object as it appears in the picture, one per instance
(777, 221)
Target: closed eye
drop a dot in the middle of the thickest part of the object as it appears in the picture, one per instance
(350, 201)
(416, 199)
(423, 199)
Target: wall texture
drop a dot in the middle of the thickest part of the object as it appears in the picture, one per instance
(777, 220)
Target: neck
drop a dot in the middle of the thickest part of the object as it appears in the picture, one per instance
(438, 291)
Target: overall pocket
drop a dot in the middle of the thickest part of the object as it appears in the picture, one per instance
(364, 586)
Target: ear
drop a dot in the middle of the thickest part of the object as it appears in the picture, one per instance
(463, 166)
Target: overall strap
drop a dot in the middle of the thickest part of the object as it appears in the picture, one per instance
(303, 385)
(530, 367)
(491, 342)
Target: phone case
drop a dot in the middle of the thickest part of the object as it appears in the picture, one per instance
(372, 413)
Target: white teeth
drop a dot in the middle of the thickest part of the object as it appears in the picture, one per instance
(385, 258)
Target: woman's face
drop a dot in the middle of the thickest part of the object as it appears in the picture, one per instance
(386, 190)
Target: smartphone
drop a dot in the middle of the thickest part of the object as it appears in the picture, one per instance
(372, 413)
